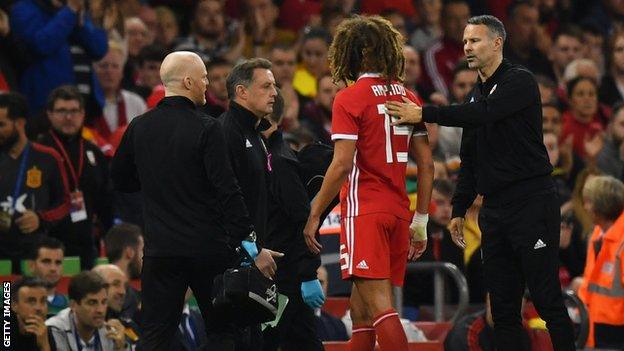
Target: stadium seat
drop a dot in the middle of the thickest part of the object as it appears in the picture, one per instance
(6, 266)
(71, 266)
(25, 269)
(101, 260)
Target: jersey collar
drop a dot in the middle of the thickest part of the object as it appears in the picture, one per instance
(369, 75)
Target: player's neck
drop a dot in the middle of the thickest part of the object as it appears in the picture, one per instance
(488, 70)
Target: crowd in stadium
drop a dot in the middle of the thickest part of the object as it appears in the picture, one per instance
(75, 73)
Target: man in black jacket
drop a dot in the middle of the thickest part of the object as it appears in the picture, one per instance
(251, 90)
(296, 276)
(194, 212)
(27, 323)
(504, 158)
(87, 171)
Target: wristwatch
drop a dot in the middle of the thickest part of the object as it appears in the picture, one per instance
(251, 237)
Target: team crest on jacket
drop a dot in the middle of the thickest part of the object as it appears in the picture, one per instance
(33, 178)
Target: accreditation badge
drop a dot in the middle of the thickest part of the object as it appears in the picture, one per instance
(33, 178)
(5, 221)
(78, 211)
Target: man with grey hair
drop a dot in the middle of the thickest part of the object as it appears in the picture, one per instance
(504, 159)
(194, 212)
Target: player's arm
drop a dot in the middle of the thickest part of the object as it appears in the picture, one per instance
(337, 173)
(421, 152)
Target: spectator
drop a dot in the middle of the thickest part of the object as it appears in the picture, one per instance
(605, 15)
(594, 45)
(91, 194)
(46, 263)
(33, 187)
(522, 33)
(63, 43)
(602, 280)
(168, 27)
(262, 32)
(306, 10)
(211, 36)
(328, 327)
(136, 38)
(567, 47)
(476, 332)
(107, 15)
(585, 119)
(82, 326)
(314, 47)
(441, 248)
(27, 329)
(148, 15)
(374, 7)
(609, 88)
(464, 79)
(8, 57)
(413, 70)
(430, 28)
(610, 158)
(317, 114)
(548, 89)
(331, 18)
(148, 69)
(398, 21)
(284, 60)
(117, 282)
(216, 91)
(121, 105)
(442, 56)
(124, 249)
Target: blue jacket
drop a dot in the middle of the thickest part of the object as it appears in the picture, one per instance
(46, 34)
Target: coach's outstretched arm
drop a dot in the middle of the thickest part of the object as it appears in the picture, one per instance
(509, 97)
(337, 173)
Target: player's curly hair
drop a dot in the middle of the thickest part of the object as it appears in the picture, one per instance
(366, 44)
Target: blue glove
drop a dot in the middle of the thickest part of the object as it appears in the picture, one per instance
(252, 250)
(312, 293)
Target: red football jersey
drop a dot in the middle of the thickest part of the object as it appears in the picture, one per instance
(377, 181)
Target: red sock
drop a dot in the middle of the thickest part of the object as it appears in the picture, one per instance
(362, 338)
(390, 331)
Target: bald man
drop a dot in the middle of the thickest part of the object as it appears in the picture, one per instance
(194, 211)
(117, 282)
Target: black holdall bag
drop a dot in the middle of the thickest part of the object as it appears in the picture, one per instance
(244, 296)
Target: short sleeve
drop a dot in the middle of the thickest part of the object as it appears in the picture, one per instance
(419, 129)
(344, 124)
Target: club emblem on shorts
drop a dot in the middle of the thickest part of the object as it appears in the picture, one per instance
(539, 244)
(362, 265)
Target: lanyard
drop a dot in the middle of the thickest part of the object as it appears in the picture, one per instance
(72, 170)
(20, 175)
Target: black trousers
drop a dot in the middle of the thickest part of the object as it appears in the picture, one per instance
(520, 243)
(164, 281)
(296, 330)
